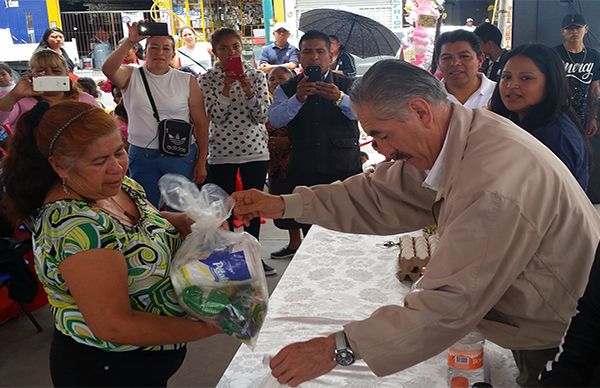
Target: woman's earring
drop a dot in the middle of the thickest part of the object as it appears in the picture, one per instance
(65, 187)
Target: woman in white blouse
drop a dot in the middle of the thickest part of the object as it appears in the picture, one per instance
(195, 55)
(237, 108)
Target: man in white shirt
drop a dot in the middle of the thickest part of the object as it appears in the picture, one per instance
(459, 59)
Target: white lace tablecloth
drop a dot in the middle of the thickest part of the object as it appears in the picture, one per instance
(335, 278)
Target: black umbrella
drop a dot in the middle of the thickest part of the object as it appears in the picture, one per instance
(360, 35)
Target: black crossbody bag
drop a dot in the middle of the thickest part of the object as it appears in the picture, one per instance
(174, 136)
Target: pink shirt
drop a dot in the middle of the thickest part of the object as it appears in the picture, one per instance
(26, 103)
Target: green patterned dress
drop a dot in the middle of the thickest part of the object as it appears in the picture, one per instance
(69, 226)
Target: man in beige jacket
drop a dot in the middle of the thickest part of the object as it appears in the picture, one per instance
(517, 233)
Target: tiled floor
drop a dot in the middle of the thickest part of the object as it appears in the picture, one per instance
(24, 353)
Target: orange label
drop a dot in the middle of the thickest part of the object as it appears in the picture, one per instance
(465, 360)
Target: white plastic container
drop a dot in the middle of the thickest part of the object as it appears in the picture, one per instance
(466, 361)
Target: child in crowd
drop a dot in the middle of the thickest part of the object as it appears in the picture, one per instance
(89, 86)
(278, 183)
(6, 80)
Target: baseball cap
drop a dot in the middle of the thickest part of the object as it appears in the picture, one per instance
(573, 20)
(281, 25)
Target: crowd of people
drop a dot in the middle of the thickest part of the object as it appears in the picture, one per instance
(497, 154)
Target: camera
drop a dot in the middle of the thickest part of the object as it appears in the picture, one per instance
(313, 73)
(51, 84)
(153, 29)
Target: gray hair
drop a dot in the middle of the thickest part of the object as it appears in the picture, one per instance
(390, 83)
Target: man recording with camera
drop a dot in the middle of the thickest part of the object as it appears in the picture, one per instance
(314, 106)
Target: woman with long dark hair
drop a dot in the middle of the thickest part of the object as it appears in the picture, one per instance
(53, 39)
(533, 93)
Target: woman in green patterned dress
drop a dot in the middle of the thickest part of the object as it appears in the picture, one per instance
(102, 252)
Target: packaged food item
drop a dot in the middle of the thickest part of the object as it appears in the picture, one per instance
(217, 274)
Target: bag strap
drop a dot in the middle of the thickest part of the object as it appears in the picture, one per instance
(192, 59)
(143, 74)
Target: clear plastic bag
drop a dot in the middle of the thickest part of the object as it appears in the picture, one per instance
(217, 274)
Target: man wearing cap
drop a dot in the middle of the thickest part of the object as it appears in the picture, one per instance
(469, 24)
(281, 52)
(582, 65)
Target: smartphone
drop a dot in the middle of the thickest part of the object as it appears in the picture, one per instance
(313, 73)
(51, 84)
(235, 66)
(153, 29)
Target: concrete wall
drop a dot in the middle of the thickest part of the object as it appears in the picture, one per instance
(539, 20)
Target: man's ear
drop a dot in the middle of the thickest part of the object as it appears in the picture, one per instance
(422, 108)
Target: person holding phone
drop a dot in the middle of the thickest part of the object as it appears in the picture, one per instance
(322, 130)
(237, 101)
(23, 97)
(176, 95)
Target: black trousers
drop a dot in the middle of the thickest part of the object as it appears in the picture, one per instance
(253, 176)
(76, 365)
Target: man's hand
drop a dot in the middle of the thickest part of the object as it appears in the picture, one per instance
(303, 361)
(265, 67)
(253, 203)
(592, 127)
(328, 91)
(305, 89)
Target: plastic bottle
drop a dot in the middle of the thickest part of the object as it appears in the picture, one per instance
(465, 361)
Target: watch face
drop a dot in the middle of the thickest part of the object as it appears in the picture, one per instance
(344, 357)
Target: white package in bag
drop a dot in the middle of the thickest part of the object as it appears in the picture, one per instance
(217, 274)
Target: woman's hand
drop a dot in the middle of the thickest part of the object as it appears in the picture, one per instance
(246, 83)
(229, 79)
(134, 37)
(180, 221)
(24, 88)
(200, 172)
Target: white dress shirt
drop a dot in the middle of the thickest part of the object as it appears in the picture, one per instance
(481, 97)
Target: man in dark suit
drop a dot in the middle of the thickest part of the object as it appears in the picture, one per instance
(322, 130)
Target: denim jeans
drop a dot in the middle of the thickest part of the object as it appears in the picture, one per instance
(147, 166)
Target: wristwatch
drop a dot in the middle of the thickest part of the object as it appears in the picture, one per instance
(344, 356)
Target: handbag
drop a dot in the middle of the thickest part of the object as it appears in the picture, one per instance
(174, 136)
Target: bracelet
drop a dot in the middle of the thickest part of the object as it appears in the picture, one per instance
(340, 99)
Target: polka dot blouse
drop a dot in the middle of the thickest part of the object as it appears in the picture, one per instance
(237, 132)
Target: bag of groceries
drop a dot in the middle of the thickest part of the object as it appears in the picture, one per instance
(217, 274)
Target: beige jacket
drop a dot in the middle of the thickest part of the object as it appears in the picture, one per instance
(517, 240)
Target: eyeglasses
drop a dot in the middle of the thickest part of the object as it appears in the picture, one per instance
(281, 31)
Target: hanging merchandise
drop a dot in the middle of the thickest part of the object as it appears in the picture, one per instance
(423, 15)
